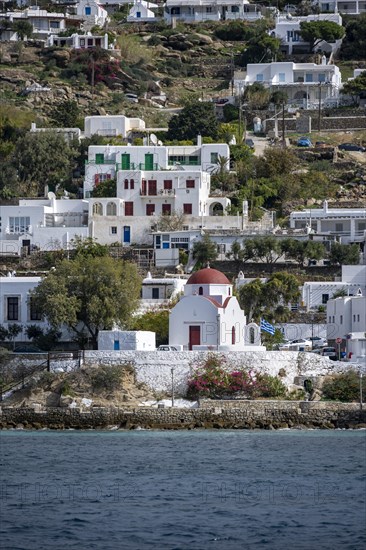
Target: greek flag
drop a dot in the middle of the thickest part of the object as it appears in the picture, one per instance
(267, 327)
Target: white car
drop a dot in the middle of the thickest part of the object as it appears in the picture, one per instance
(297, 345)
(167, 348)
(318, 342)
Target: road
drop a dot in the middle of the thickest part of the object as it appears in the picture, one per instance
(260, 143)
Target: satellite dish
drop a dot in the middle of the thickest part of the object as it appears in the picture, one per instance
(153, 139)
(51, 195)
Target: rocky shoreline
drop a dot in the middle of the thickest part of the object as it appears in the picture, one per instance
(250, 415)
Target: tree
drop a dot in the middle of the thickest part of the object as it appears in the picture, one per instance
(88, 247)
(354, 43)
(172, 222)
(279, 97)
(88, 295)
(344, 254)
(302, 250)
(205, 250)
(106, 188)
(315, 32)
(42, 159)
(267, 249)
(355, 87)
(257, 96)
(23, 28)
(260, 50)
(155, 321)
(66, 114)
(196, 118)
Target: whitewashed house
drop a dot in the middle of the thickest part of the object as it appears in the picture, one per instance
(44, 23)
(78, 41)
(117, 340)
(287, 29)
(318, 293)
(92, 13)
(142, 11)
(208, 316)
(347, 224)
(191, 11)
(304, 83)
(69, 134)
(346, 7)
(112, 125)
(160, 291)
(44, 224)
(346, 319)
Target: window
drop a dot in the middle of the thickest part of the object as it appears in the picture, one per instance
(34, 312)
(209, 9)
(308, 77)
(82, 42)
(187, 208)
(111, 209)
(132, 184)
(339, 227)
(259, 78)
(358, 318)
(233, 338)
(126, 183)
(168, 184)
(98, 209)
(113, 230)
(190, 184)
(341, 319)
(104, 177)
(150, 209)
(281, 77)
(321, 77)
(99, 158)
(88, 10)
(13, 309)
(19, 224)
(251, 335)
(166, 209)
(200, 291)
(54, 24)
(128, 208)
(325, 298)
(329, 319)
(214, 158)
(234, 9)
(155, 294)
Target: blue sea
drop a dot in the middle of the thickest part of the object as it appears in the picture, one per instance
(275, 490)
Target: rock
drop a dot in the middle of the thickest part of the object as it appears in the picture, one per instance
(203, 38)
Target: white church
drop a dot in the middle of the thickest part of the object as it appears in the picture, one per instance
(209, 317)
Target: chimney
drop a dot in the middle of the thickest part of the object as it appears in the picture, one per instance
(199, 140)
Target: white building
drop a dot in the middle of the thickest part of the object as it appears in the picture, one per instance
(346, 319)
(68, 133)
(348, 224)
(304, 83)
(92, 13)
(44, 23)
(208, 316)
(318, 293)
(116, 340)
(159, 292)
(78, 41)
(287, 29)
(112, 126)
(47, 224)
(142, 11)
(346, 7)
(191, 11)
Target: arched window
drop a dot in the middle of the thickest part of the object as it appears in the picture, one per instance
(200, 291)
(233, 336)
(98, 209)
(229, 292)
(252, 335)
(111, 209)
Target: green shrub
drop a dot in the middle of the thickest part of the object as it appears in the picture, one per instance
(343, 387)
(107, 378)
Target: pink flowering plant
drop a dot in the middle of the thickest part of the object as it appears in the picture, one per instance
(213, 378)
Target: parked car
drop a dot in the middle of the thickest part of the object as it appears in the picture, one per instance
(167, 348)
(296, 345)
(318, 342)
(321, 144)
(249, 143)
(329, 352)
(351, 147)
(304, 142)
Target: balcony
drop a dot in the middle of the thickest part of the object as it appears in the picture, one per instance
(130, 166)
(158, 193)
(15, 232)
(105, 161)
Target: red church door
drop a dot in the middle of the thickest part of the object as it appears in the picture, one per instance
(194, 336)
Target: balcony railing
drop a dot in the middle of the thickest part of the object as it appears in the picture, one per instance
(105, 161)
(186, 162)
(131, 166)
(27, 230)
(157, 192)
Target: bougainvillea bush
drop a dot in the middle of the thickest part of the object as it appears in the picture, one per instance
(214, 378)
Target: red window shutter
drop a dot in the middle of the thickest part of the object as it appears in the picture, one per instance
(150, 209)
(166, 209)
(132, 184)
(129, 209)
(109, 176)
(190, 184)
(168, 184)
(96, 179)
(187, 208)
(126, 184)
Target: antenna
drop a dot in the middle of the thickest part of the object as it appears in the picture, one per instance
(153, 139)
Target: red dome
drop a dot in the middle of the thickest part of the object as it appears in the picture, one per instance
(208, 276)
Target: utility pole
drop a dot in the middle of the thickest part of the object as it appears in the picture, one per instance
(320, 107)
(283, 125)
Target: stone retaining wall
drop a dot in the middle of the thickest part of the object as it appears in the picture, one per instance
(250, 415)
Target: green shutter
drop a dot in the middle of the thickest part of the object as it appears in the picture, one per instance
(125, 160)
(99, 158)
(149, 161)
